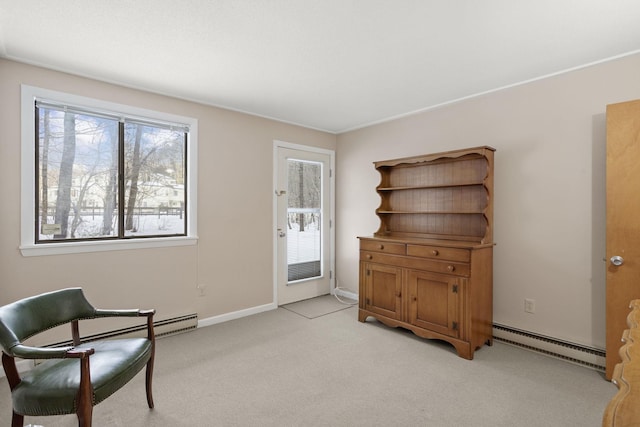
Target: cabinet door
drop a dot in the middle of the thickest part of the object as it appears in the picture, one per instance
(383, 290)
(434, 302)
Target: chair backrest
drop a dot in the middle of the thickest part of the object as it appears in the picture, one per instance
(27, 317)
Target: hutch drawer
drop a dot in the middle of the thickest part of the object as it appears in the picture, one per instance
(386, 247)
(438, 252)
(447, 267)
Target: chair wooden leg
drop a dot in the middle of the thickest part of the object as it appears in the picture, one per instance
(84, 400)
(149, 379)
(151, 337)
(84, 416)
(17, 420)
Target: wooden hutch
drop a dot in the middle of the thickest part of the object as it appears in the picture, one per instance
(429, 267)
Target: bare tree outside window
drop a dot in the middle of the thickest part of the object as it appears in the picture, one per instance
(134, 170)
(65, 176)
(304, 192)
(110, 191)
(44, 173)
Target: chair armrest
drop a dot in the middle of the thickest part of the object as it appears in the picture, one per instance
(126, 313)
(147, 313)
(123, 313)
(29, 352)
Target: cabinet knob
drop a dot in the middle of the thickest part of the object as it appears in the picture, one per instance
(451, 268)
(435, 252)
(369, 256)
(381, 247)
(399, 294)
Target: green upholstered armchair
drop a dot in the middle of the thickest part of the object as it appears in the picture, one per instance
(71, 379)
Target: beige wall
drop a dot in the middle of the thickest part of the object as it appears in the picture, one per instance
(549, 190)
(234, 255)
(549, 204)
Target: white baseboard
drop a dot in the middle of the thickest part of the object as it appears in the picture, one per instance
(347, 294)
(236, 314)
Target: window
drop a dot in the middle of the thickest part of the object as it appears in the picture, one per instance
(104, 176)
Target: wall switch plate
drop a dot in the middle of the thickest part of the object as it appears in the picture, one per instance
(202, 288)
(529, 305)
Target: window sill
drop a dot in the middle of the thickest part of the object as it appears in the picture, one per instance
(103, 246)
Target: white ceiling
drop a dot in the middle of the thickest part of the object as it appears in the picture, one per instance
(332, 65)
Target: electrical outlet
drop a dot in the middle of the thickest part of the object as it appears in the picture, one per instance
(529, 305)
(202, 288)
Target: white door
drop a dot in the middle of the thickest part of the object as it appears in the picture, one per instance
(303, 226)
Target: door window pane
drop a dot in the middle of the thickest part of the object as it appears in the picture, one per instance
(304, 240)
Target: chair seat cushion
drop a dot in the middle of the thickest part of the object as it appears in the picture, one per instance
(50, 388)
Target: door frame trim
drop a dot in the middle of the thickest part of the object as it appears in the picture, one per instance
(277, 144)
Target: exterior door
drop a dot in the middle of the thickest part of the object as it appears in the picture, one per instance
(303, 234)
(623, 224)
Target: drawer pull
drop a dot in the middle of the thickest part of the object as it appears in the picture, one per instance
(381, 247)
(435, 252)
(369, 256)
(451, 268)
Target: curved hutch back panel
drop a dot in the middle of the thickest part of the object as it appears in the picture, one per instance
(429, 267)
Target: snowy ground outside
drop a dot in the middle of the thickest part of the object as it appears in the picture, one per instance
(302, 246)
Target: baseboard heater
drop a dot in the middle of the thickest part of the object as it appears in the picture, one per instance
(162, 328)
(590, 357)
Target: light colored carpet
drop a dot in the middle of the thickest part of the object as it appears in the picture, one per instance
(279, 369)
(319, 306)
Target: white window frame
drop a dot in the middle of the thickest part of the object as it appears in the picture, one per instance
(27, 205)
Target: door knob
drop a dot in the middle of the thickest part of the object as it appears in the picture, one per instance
(617, 260)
